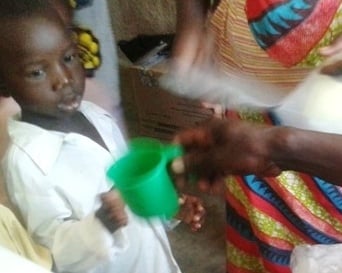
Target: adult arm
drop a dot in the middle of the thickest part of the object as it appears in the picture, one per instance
(223, 147)
(190, 40)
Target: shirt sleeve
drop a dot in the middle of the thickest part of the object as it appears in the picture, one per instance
(76, 244)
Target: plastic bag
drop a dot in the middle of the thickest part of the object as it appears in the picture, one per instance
(317, 259)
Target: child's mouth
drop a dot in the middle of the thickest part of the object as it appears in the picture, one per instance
(70, 103)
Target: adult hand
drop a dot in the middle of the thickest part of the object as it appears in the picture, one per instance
(221, 147)
(333, 51)
(334, 48)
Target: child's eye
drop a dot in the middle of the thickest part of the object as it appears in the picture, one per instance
(70, 58)
(36, 74)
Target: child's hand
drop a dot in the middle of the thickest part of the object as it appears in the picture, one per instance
(112, 213)
(191, 211)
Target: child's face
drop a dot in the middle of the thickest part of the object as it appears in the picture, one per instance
(40, 67)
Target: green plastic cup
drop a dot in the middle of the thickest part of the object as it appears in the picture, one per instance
(143, 180)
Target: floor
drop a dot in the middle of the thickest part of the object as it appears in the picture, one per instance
(203, 251)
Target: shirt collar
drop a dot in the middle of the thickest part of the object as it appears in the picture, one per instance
(43, 146)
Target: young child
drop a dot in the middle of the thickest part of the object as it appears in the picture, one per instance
(60, 149)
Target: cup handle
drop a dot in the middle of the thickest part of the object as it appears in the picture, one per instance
(172, 151)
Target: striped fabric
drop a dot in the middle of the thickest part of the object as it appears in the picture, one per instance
(237, 48)
(288, 30)
(267, 217)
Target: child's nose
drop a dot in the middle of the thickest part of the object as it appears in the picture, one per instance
(63, 78)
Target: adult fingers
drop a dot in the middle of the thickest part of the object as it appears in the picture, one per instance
(332, 49)
(333, 69)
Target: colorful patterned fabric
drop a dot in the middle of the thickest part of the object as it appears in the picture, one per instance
(267, 217)
(238, 50)
(289, 29)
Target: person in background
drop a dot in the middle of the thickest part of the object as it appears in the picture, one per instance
(270, 209)
(59, 150)
(14, 237)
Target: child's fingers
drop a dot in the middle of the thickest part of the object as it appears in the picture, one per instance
(200, 208)
(199, 217)
(119, 219)
(115, 208)
(192, 211)
(196, 226)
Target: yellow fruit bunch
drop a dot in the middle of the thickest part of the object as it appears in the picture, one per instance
(89, 48)
(76, 4)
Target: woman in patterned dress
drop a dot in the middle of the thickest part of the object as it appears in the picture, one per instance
(270, 211)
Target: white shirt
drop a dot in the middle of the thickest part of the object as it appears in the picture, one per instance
(55, 178)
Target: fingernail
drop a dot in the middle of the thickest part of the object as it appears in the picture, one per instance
(177, 166)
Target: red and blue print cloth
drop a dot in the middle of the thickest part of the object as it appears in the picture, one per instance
(289, 29)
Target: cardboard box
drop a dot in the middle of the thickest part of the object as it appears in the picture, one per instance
(152, 111)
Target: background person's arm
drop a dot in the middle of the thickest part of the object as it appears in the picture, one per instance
(191, 33)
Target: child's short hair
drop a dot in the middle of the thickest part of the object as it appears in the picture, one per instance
(17, 9)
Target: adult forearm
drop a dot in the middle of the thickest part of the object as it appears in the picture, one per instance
(318, 154)
(191, 12)
(191, 19)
